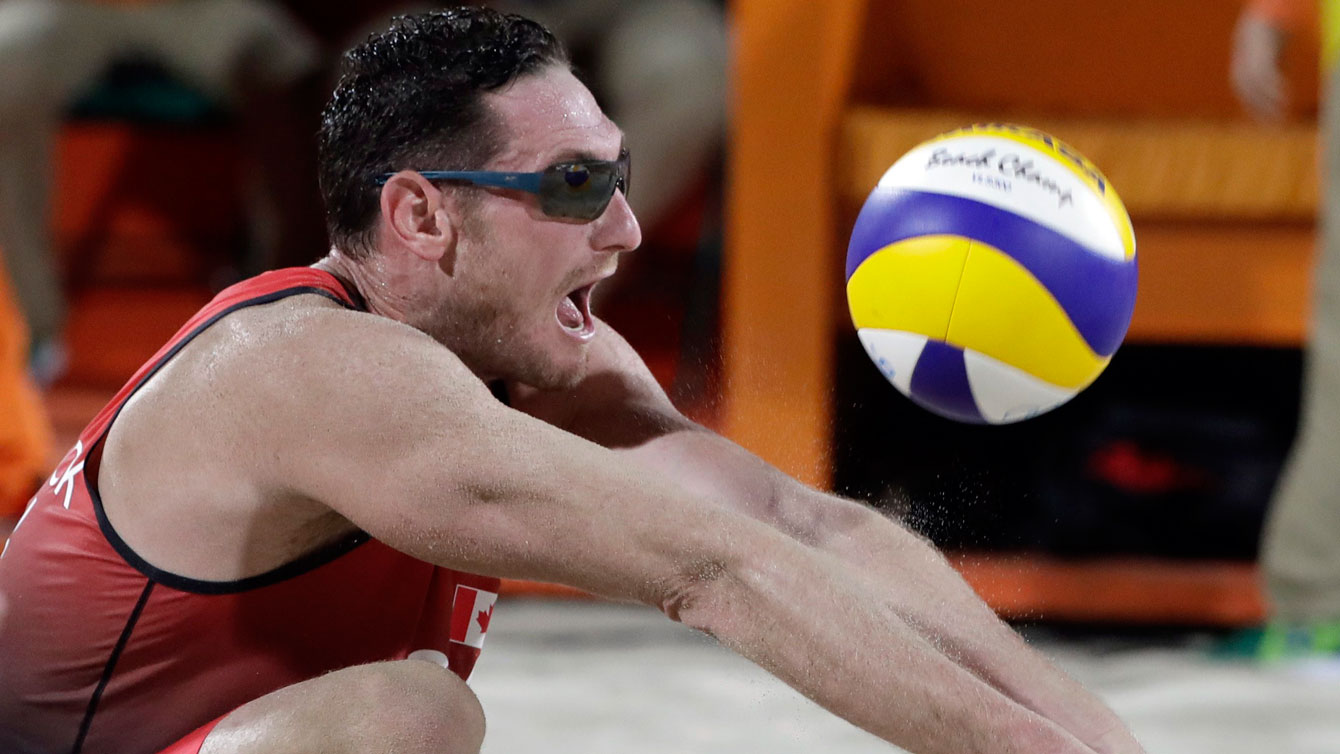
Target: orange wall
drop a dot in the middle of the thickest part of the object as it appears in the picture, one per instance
(1076, 57)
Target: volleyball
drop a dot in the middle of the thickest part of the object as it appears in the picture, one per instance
(991, 274)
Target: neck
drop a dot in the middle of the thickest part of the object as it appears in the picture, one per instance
(391, 295)
(372, 282)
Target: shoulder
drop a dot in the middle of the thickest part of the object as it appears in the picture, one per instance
(317, 355)
(308, 335)
(263, 375)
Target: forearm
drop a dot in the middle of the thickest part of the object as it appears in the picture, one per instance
(581, 518)
(919, 595)
(800, 612)
(925, 591)
(895, 568)
(802, 616)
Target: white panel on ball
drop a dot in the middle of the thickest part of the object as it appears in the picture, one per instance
(1005, 394)
(895, 353)
(986, 169)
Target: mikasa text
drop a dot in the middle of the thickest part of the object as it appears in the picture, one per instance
(1008, 166)
(1064, 151)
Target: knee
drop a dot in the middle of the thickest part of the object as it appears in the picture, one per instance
(410, 707)
(420, 707)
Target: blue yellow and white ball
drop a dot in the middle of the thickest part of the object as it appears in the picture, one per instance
(991, 274)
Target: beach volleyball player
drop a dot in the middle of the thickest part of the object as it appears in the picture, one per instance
(285, 533)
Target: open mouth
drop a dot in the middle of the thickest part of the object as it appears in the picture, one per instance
(574, 313)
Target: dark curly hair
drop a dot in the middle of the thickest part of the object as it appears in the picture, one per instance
(412, 96)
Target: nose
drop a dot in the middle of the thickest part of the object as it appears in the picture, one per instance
(617, 230)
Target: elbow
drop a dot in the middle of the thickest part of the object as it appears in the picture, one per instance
(725, 594)
(692, 595)
(716, 595)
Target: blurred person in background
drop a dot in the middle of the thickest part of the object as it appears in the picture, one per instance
(25, 437)
(248, 54)
(1300, 550)
(658, 67)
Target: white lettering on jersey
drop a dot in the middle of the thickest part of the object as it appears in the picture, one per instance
(66, 478)
(63, 476)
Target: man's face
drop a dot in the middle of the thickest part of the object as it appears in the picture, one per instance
(519, 304)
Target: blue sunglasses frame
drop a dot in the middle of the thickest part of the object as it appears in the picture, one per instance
(575, 189)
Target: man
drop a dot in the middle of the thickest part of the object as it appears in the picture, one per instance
(299, 490)
(1300, 546)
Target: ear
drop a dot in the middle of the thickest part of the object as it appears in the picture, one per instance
(423, 218)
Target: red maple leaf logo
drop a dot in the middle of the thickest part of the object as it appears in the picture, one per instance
(483, 619)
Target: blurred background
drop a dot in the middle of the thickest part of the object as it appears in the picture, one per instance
(1113, 503)
(142, 173)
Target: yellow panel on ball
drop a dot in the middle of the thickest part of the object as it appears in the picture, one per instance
(909, 285)
(1004, 312)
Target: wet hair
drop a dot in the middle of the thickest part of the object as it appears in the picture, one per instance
(413, 97)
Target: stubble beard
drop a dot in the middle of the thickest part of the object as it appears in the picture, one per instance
(493, 340)
(493, 345)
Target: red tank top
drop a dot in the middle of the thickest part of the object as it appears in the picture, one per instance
(102, 652)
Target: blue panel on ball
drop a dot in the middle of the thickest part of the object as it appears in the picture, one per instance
(940, 383)
(1096, 292)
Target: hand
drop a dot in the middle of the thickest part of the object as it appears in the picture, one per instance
(1255, 68)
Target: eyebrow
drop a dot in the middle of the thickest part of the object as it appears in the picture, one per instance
(581, 155)
(575, 155)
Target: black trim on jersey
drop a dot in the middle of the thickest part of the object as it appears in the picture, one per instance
(301, 565)
(304, 563)
(108, 669)
(351, 290)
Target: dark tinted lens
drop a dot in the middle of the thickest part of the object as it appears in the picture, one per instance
(580, 191)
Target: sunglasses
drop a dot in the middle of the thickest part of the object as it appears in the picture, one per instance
(575, 190)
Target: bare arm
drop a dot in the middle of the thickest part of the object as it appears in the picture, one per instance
(622, 407)
(913, 580)
(389, 430)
